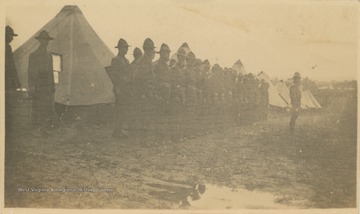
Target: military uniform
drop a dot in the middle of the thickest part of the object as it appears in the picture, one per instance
(11, 79)
(41, 84)
(162, 78)
(264, 99)
(121, 74)
(144, 85)
(11, 76)
(190, 82)
(295, 96)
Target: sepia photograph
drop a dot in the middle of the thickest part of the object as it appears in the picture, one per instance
(179, 105)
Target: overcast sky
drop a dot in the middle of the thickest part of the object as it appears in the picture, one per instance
(316, 38)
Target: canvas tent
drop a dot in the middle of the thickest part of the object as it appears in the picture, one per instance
(239, 67)
(283, 91)
(274, 97)
(313, 99)
(82, 79)
(308, 101)
(187, 49)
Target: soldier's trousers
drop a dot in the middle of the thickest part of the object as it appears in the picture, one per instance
(123, 114)
(43, 112)
(10, 102)
(294, 116)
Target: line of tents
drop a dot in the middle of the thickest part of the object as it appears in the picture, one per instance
(84, 56)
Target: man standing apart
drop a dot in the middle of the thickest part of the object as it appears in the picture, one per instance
(295, 96)
(122, 78)
(12, 82)
(41, 84)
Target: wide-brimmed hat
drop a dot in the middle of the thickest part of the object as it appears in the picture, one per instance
(164, 48)
(206, 62)
(148, 43)
(137, 51)
(181, 52)
(10, 31)
(44, 35)
(191, 55)
(297, 75)
(122, 43)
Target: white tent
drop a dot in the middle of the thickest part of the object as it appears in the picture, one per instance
(239, 67)
(184, 46)
(274, 96)
(316, 103)
(308, 101)
(283, 91)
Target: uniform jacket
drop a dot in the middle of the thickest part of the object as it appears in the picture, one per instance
(295, 95)
(11, 75)
(40, 71)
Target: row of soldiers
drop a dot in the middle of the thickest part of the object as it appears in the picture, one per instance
(178, 87)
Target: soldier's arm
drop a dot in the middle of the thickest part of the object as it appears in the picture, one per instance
(10, 66)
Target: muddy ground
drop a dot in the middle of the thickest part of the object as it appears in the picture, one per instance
(82, 166)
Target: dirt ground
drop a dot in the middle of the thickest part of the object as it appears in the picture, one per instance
(82, 166)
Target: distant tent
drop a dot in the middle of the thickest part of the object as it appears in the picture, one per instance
(274, 97)
(239, 67)
(283, 91)
(313, 99)
(308, 101)
(187, 49)
(83, 80)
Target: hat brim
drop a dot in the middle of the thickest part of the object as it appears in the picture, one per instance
(38, 38)
(162, 50)
(14, 34)
(122, 46)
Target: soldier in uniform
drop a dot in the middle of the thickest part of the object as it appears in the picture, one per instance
(162, 79)
(204, 83)
(163, 89)
(12, 82)
(177, 97)
(264, 99)
(144, 85)
(41, 84)
(190, 81)
(137, 55)
(178, 77)
(121, 74)
(295, 96)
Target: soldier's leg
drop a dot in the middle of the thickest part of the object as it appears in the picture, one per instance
(294, 116)
(117, 118)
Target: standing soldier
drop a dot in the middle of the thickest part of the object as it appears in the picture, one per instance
(144, 76)
(204, 83)
(295, 96)
(163, 88)
(190, 81)
(177, 97)
(41, 84)
(121, 77)
(162, 78)
(12, 82)
(137, 55)
(178, 76)
(264, 99)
